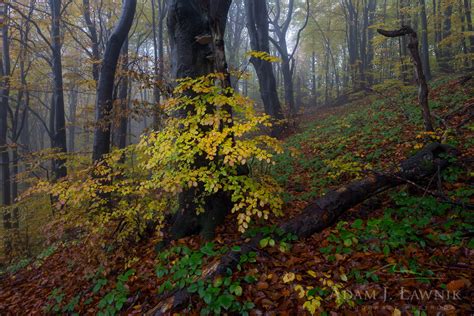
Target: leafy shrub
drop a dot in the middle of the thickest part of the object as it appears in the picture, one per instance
(204, 148)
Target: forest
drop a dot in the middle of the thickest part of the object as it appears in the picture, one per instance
(236, 157)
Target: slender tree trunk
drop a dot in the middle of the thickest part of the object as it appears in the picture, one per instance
(73, 99)
(106, 81)
(468, 14)
(94, 40)
(314, 94)
(446, 50)
(420, 76)
(464, 47)
(156, 90)
(5, 73)
(370, 47)
(58, 114)
(424, 42)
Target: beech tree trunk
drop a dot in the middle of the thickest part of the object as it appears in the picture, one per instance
(188, 21)
(259, 41)
(121, 103)
(424, 42)
(323, 213)
(420, 76)
(4, 104)
(105, 89)
(58, 118)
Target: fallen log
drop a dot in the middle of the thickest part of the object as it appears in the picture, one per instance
(324, 211)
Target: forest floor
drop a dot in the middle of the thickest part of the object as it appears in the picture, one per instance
(404, 252)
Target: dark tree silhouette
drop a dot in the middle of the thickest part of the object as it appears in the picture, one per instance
(57, 119)
(105, 88)
(260, 41)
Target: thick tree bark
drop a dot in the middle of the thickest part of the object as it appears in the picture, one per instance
(58, 118)
(196, 30)
(323, 213)
(105, 89)
(424, 42)
(259, 41)
(420, 76)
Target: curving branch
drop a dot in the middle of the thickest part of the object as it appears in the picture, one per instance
(419, 74)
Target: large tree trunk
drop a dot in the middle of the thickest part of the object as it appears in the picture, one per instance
(257, 25)
(189, 20)
(323, 213)
(105, 89)
(58, 118)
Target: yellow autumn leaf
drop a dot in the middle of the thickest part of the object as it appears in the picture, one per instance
(312, 273)
(289, 277)
(300, 290)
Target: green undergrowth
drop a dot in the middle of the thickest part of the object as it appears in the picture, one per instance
(373, 134)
